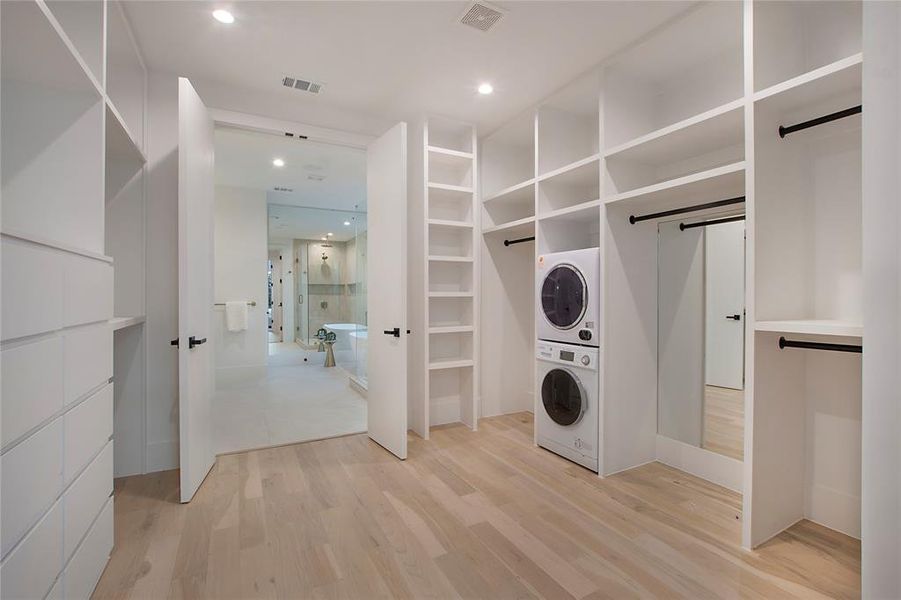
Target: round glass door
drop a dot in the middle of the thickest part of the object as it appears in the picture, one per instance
(562, 397)
(564, 297)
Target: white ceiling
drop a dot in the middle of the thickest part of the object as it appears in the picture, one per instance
(244, 159)
(290, 222)
(393, 60)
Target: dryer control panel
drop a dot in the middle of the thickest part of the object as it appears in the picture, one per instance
(566, 354)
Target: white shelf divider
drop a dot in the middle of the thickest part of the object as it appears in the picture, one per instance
(118, 323)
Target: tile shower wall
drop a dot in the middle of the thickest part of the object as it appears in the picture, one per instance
(327, 269)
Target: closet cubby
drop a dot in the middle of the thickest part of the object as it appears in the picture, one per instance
(568, 125)
(450, 276)
(508, 158)
(450, 242)
(449, 205)
(450, 167)
(83, 23)
(450, 312)
(52, 122)
(451, 395)
(125, 74)
(514, 205)
(450, 135)
(446, 349)
(573, 230)
(793, 38)
(690, 66)
(568, 189)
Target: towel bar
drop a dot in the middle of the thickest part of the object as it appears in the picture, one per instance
(250, 303)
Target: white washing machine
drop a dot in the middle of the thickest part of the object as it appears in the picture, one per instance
(569, 296)
(566, 419)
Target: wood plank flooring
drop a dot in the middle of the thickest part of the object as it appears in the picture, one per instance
(467, 515)
(724, 421)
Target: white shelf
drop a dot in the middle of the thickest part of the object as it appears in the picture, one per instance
(456, 155)
(570, 168)
(450, 364)
(526, 225)
(716, 128)
(840, 77)
(812, 327)
(451, 329)
(573, 213)
(120, 143)
(450, 223)
(450, 188)
(451, 259)
(514, 194)
(118, 323)
(450, 294)
(727, 180)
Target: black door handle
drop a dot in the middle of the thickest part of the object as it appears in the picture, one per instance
(192, 341)
(734, 317)
(395, 332)
(173, 342)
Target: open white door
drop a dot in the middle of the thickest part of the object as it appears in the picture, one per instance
(386, 188)
(725, 252)
(195, 287)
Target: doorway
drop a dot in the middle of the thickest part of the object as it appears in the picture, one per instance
(290, 248)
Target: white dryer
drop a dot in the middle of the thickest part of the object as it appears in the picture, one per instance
(569, 290)
(566, 418)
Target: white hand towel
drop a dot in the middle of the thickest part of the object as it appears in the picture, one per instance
(236, 315)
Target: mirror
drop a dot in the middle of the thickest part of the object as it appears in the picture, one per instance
(700, 332)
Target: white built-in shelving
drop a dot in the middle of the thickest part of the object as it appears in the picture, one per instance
(73, 90)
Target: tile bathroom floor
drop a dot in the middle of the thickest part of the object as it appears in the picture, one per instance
(298, 401)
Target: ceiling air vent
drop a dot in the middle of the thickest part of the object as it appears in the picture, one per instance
(282, 189)
(302, 84)
(481, 15)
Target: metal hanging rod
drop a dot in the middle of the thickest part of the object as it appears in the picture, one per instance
(784, 343)
(249, 303)
(519, 241)
(680, 211)
(684, 226)
(854, 110)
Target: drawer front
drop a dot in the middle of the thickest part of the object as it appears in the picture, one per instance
(88, 427)
(30, 571)
(36, 274)
(88, 290)
(86, 497)
(86, 566)
(89, 359)
(30, 480)
(31, 376)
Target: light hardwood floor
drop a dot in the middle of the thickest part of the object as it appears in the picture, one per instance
(724, 421)
(472, 515)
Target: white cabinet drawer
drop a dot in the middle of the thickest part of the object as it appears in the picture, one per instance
(36, 275)
(30, 480)
(85, 568)
(88, 427)
(31, 569)
(88, 290)
(31, 376)
(89, 359)
(85, 498)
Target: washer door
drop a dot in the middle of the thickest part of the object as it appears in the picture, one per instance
(564, 296)
(563, 397)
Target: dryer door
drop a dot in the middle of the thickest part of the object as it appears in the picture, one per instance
(564, 296)
(563, 397)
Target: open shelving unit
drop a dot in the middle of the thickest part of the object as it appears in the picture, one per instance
(447, 392)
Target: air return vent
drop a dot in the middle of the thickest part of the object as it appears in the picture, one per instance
(302, 84)
(282, 189)
(481, 15)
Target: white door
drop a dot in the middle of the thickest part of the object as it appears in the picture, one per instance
(195, 287)
(725, 298)
(386, 188)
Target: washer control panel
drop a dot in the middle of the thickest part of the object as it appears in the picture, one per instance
(567, 354)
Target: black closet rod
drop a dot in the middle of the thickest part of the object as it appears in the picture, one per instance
(854, 110)
(684, 226)
(519, 241)
(679, 211)
(784, 343)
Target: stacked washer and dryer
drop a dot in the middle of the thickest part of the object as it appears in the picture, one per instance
(568, 354)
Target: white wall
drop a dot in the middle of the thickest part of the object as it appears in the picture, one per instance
(240, 252)
(881, 486)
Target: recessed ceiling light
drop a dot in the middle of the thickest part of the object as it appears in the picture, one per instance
(278, 162)
(324, 239)
(330, 234)
(485, 89)
(223, 16)
(346, 223)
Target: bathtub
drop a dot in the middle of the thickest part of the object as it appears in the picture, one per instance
(344, 334)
